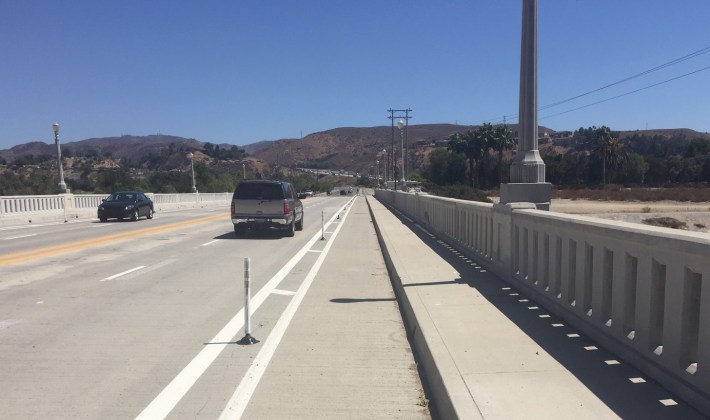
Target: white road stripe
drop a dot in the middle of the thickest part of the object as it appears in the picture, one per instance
(115, 276)
(210, 242)
(18, 237)
(238, 403)
(283, 292)
(20, 227)
(168, 398)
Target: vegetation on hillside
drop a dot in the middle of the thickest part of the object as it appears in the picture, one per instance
(474, 158)
(594, 158)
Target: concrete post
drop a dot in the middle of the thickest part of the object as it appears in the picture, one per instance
(527, 173)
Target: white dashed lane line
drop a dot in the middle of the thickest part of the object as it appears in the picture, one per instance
(115, 276)
(18, 237)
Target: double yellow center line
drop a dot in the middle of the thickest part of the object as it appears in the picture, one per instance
(33, 254)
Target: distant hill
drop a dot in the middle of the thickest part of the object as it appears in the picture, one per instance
(346, 148)
(357, 149)
(132, 147)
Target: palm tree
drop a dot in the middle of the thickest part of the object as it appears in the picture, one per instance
(474, 145)
(609, 150)
(502, 140)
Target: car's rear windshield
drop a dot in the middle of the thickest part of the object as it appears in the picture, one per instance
(120, 197)
(258, 191)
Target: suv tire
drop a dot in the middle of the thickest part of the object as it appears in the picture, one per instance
(291, 230)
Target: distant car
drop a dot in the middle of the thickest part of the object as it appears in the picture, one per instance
(309, 193)
(126, 205)
(342, 192)
(262, 204)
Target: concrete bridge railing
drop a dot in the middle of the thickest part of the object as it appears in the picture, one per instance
(642, 292)
(46, 208)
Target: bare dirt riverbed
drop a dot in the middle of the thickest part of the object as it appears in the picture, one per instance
(690, 216)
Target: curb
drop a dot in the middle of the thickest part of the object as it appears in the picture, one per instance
(429, 351)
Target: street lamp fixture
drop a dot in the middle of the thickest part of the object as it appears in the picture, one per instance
(192, 169)
(377, 172)
(61, 187)
(386, 166)
(400, 125)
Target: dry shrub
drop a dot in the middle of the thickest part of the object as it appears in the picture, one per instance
(694, 194)
(668, 222)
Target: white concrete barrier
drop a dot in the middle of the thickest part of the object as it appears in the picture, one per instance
(51, 208)
(643, 292)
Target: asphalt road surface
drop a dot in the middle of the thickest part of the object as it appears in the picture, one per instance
(127, 319)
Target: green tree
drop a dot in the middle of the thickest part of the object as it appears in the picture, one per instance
(437, 170)
(115, 180)
(473, 145)
(634, 171)
(501, 141)
(610, 151)
(446, 167)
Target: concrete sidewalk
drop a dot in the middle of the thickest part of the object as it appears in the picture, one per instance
(489, 352)
(484, 350)
(345, 354)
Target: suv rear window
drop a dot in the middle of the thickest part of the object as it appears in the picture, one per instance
(258, 191)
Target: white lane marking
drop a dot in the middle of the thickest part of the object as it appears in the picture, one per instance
(168, 398)
(20, 227)
(315, 250)
(7, 323)
(101, 225)
(247, 386)
(283, 292)
(210, 242)
(115, 276)
(18, 237)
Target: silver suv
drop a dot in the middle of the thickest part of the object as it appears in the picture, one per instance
(261, 204)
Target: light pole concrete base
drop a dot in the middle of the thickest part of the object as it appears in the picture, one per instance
(539, 193)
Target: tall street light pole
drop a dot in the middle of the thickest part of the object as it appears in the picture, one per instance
(192, 169)
(401, 114)
(400, 125)
(244, 171)
(377, 172)
(386, 166)
(393, 155)
(527, 173)
(61, 187)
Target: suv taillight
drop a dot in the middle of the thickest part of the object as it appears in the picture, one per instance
(287, 207)
(234, 208)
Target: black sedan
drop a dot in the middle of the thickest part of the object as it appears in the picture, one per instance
(126, 205)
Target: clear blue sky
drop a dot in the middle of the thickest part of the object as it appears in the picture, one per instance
(241, 71)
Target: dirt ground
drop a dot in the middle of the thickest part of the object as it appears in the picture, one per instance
(696, 216)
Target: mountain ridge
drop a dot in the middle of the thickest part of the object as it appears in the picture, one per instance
(348, 148)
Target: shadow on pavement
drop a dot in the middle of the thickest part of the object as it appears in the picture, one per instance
(354, 300)
(593, 365)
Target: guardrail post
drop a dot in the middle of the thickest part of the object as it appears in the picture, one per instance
(247, 339)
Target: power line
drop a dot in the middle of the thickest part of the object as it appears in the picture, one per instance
(643, 73)
(628, 93)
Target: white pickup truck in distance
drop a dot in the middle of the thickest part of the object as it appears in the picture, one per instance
(262, 204)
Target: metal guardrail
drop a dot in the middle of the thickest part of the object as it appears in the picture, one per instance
(641, 291)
